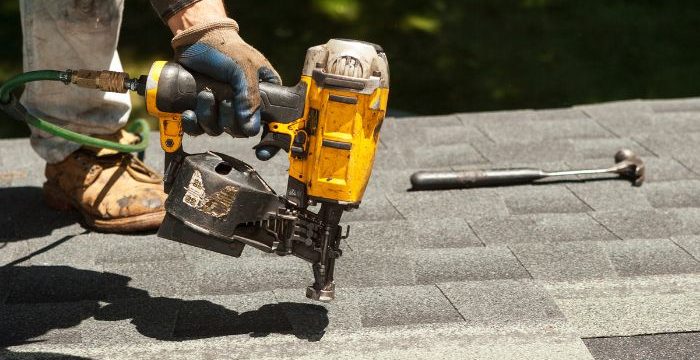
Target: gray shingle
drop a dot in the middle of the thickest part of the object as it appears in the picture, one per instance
(557, 150)
(382, 235)
(403, 234)
(565, 261)
(671, 144)
(382, 310)
(560, 114)
(437, 340)
(135, 249)
(691, 244)
(630, 306)
(343, 313)
(543, 129)
(539, 228)
(158, 278)
(689, 218)
(251, 274)
(689, 161)
(621, 108)
(658, 346)
(403, 137)
(469, 264)
(394, 159)
(535, 199)
(649, 257)
(422, 205)
(393, 136)
(605, 148)
(442, 156)
(22, 157)
(674, 105)
(22, 322)
(36, 355)
(391, 180)
(526, 152)
(639, 224)
(257, 314)
(666, 169)
(444, 233)
(495, 116)
(136, 320)
(423, 121)
(627, 124)
(404, 305)
(5, 283)
(26, 202)
(610, 195)
(59, 283)
(673, 193)
(374, 268)
(650, 123)
(449, 135)
(678, 122)
(502, 303)
(11, 251)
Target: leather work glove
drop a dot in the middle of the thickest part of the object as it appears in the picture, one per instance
(216, 50)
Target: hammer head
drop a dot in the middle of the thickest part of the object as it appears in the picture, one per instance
(629, 166)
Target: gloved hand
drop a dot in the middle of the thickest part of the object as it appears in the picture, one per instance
(216, 50)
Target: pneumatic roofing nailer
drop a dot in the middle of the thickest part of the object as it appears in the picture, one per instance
(328, 123)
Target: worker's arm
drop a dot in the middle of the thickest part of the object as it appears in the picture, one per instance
(207, 41)
(182, 14)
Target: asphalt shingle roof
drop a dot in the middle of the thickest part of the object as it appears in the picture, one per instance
(574, 270)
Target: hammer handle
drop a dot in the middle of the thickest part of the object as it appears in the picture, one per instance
(436, 180)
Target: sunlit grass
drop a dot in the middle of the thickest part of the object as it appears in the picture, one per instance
(347, 10)
(421, 22)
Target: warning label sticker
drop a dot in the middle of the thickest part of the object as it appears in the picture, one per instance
(216, 205)
(195, 194)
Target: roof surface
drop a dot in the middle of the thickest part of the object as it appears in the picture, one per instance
(566, 270)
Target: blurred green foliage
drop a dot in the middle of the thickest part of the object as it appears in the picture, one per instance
(455, 55)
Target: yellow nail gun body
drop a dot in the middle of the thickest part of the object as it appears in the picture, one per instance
(328, 123)
(335, 141)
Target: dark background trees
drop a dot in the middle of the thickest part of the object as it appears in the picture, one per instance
(454, 55)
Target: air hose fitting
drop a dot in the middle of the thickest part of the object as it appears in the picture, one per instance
(109, 81)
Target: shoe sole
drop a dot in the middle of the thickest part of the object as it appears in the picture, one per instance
(57, 199)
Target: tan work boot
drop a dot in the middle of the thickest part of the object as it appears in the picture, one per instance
(113, 192)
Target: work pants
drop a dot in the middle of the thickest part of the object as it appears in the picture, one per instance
(75, 34)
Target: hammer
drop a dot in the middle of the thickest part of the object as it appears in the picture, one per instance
(627, 164)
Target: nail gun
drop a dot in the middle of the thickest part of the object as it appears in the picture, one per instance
(328, 124)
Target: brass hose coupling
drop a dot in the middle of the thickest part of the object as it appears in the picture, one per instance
(105, 80)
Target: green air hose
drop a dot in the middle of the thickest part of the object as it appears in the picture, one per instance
(139, 126)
